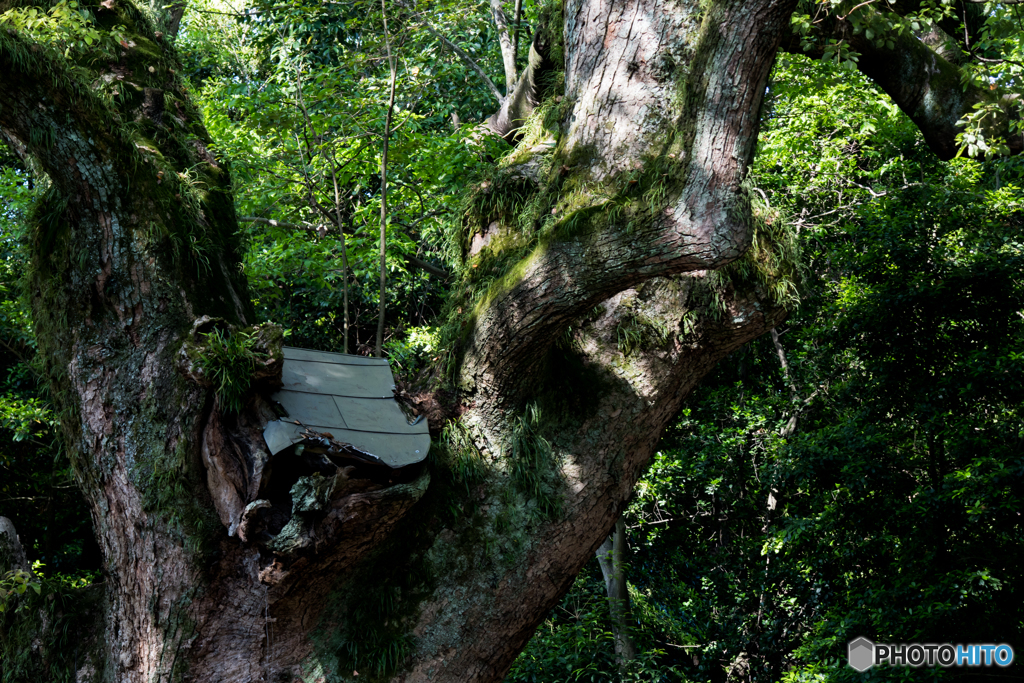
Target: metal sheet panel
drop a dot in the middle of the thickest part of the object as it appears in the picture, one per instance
(279, 435)
(311, 408)
(351, 398)
(376, 415)
(293, 353)
(359, 381)
(395, 450)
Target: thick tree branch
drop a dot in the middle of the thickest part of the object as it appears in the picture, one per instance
(53, 116)
(508, 55)
(171, 15)
(928, 89)
(701, 218)
(603, 449)
(922, 83)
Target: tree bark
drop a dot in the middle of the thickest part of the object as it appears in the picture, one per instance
(133, 242)
(508, 55)
(569, 364)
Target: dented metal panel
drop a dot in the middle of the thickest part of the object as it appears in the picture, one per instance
(279, 435)
(311, 408)
(349, 397)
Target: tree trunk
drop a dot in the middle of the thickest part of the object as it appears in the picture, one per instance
(570, 363)
(612, 558)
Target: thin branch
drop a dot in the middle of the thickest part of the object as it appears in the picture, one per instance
(423, 217)
(423, 208)
(868, 2)
(9, 348)
(468, 60)
(344, 249)
(223, 14)
(642, 524)
(428, 267)
(997, 61)
(308, 227)
(508, 56)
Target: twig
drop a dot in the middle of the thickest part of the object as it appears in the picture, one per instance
(344, 250)
(867, 2)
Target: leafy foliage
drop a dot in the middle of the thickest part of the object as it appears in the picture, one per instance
(16, 582)
(576, 643)
(871, 486)
(66, 26)
(44, 630)
(36, 486)
(294, 96)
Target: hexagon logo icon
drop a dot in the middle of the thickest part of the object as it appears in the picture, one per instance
(861, 654)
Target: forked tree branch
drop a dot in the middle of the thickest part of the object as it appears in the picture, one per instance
(526, 95)
(700, 218)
